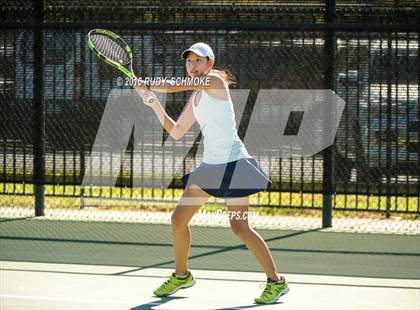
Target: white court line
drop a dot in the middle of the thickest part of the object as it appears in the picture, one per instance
(65, 299)
(95, 301)
(217, 275)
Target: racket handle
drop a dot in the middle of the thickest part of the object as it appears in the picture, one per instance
(149, 99)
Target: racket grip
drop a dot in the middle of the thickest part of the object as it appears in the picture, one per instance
(150, 99)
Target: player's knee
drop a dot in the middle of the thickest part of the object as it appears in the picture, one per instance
(240, 228)
(179, 220)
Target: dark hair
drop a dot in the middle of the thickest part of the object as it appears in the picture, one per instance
(228, 77)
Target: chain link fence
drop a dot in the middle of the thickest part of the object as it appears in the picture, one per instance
(366, 51)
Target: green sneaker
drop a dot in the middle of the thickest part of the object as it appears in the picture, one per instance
(272, 292)
(173, 284)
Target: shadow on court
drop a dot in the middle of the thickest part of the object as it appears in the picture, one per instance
(156, 303)
(162, 301)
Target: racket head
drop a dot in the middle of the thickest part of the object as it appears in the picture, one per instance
(112, 49)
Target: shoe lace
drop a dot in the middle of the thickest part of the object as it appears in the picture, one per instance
(168, 281)
(267, 289)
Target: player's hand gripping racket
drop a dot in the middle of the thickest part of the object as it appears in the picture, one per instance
(112, 49)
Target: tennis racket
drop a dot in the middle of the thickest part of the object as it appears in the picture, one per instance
(113, 50)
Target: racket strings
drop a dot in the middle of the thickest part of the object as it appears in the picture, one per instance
(110, 49)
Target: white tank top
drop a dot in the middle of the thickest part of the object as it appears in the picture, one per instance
(217, 122)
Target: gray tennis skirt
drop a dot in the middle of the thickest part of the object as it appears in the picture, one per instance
(237, 178)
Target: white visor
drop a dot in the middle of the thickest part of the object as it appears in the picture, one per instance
(201, 49)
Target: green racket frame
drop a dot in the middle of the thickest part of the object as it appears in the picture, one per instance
(128, 73)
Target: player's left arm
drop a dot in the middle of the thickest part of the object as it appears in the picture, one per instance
(210, 81)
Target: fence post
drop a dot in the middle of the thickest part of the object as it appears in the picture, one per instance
(328, 84)
(38, 110)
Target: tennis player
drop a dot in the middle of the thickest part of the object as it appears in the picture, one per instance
(225, 158)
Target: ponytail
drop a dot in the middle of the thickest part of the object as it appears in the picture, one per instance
(228, 77)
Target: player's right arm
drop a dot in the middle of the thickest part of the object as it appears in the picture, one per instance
(175, 129)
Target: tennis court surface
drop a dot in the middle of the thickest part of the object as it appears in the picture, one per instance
(48, 264)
